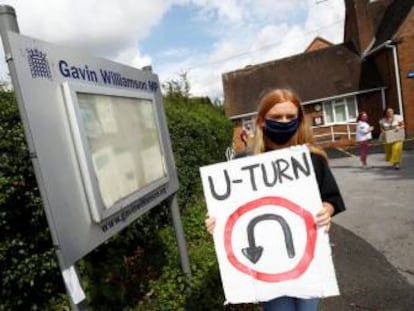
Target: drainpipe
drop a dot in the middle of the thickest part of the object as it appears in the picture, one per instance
(383, 99)
(397, 76)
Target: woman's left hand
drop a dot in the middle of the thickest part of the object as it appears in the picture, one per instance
(324, 216)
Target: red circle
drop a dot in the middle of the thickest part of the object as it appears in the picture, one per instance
(303, 263)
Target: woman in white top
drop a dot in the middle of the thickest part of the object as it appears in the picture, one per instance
(363, 135)
(393, 150)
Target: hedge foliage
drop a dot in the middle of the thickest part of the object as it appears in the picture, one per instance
(151, 277)
(200, 135)
(139, 268)
(29, 272)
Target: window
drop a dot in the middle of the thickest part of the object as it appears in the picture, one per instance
(351, 105)
(340, 110)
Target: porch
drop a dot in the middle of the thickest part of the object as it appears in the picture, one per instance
(334, 135)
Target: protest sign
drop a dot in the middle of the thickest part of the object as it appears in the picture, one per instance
(394, 135)
(266, 239)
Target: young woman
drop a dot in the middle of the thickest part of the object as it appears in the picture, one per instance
(281, 123)
(393, 151)
(363, 136)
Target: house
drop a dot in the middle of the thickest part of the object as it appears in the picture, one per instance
(372, 69)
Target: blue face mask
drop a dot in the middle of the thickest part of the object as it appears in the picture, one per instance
(280, 132)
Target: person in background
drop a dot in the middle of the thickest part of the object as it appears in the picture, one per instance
(363, 136)
(243, 137)
(393, 151)
(281, 123)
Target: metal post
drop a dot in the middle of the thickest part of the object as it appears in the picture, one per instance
(348, 131)
(383, 99)
(179, 235)
(397, 77)
(8, 23)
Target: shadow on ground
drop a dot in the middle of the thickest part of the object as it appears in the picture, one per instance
(375, 147)
(367, 281)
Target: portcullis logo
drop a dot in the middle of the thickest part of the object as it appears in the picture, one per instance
(38, 63)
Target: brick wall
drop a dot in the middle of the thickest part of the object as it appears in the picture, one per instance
(385, 65)
(317, 44)
(371, 103)
(406, 62)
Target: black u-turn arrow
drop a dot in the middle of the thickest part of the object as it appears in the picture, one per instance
(253, 252)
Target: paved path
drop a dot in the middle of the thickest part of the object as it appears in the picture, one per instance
(374, 239)
(380, 202)
(367, 280)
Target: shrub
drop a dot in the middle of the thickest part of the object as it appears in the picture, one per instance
(200, 135)
(138, 269)
(28, 263)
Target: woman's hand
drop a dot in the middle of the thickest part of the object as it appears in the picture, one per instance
(324, 216)
(210, 223)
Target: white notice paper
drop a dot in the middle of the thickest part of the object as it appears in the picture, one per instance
(73, 286)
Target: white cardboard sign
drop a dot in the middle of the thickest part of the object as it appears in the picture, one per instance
(394, 135)
(266, 239)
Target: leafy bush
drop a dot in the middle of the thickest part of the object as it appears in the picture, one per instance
(28, 263)
(139, 268)
(200, 134)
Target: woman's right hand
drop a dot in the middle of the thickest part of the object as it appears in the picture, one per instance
(210, 223)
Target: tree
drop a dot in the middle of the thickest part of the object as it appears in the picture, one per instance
(177, 89)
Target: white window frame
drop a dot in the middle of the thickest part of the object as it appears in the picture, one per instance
(338, 102)
(99, 210)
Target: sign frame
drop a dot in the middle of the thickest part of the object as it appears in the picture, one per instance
(90, 180)
(43, 110)
(91, 234)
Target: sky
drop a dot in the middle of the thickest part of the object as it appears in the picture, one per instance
(202, 38)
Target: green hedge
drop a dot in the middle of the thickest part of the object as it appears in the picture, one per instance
(29, 271)
(151, 277)
(200, 135)
(139, 268)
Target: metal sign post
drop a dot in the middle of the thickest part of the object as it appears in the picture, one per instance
(8, 22)
(112, 159)
(179, 235)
